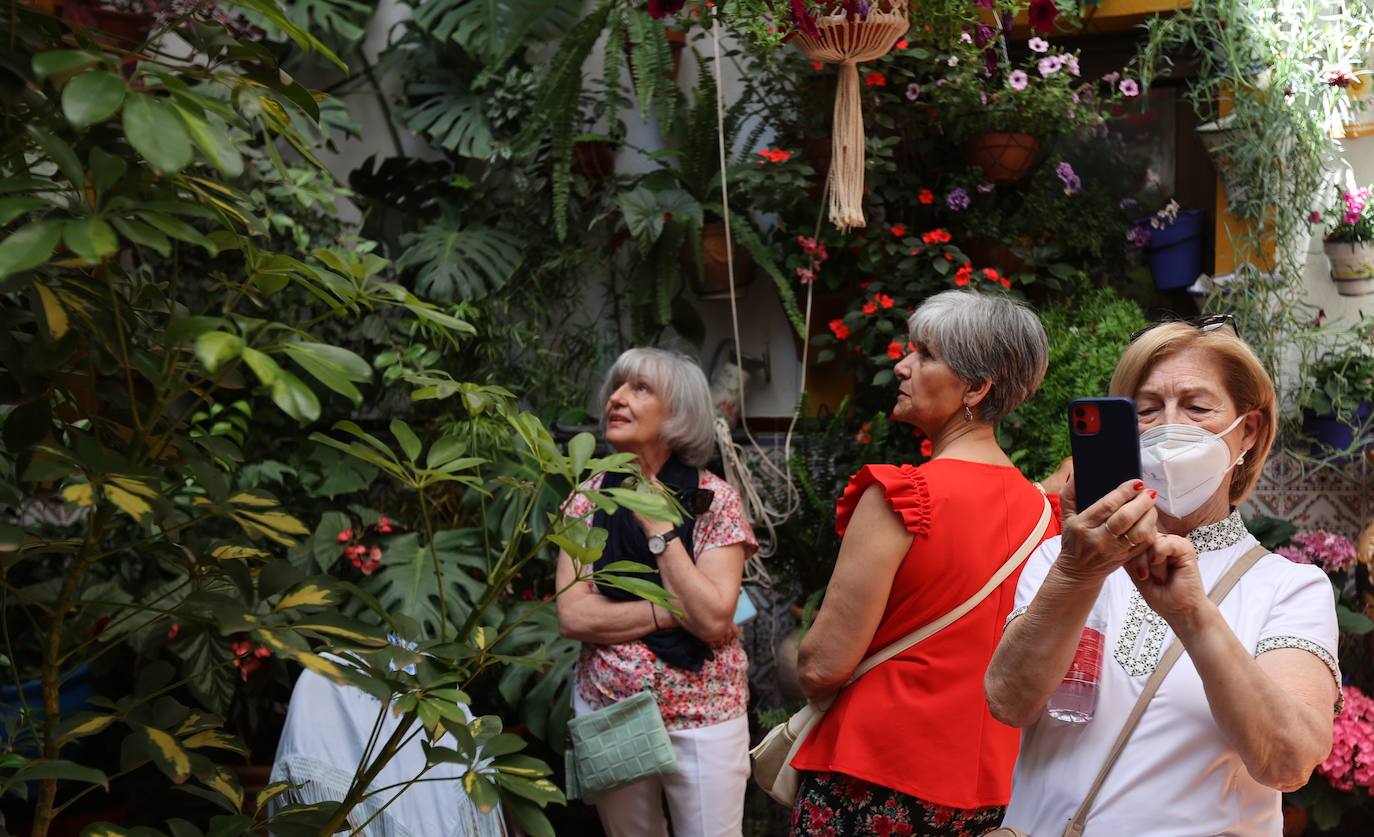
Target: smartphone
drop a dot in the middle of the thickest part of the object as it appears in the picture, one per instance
(1105, 440)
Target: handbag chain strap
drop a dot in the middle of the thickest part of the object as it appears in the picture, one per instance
(1219, 591)
(925, 631)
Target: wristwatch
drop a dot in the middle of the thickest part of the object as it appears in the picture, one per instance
(658, 544)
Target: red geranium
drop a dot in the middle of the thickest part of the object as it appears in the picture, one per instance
(898, 230)
(926, 197)
(883, 300)
(839, 329)
(875, 79)
(774, 155)
(963, 275)
(870, 307)
(894, 350)
(937, 236)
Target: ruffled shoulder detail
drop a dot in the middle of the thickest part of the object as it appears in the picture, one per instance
(906, 491)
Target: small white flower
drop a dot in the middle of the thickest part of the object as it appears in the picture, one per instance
(966, 38)
(1038, 44)
(953, 60)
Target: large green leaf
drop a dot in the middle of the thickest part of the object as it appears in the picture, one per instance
(406, 584)
(92, 97)
(154, 130)
(451, 116)
(648, 210)
(62, 154)
(213, 139)
(29, 246)
(457, 263)
(91, 238)
(542, 696)
(294, 397)
(333, 366)
(56, 62)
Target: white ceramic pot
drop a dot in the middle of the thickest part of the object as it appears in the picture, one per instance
(1352, 266)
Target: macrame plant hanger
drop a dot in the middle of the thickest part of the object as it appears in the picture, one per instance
(839, 40)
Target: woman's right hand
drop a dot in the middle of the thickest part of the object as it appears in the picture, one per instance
(1117, 529)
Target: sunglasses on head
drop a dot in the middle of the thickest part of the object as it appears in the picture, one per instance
(1210, 322)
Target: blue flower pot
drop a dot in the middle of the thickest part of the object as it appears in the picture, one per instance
(76, 692)
(1176, 251)
(1331, 433)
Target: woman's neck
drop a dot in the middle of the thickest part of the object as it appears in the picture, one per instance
(972, 441)
(1215, 510)
(651, 459)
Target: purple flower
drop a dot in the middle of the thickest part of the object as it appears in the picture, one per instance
(913, 92)
(1038, 44)
(1072, 184)
(1070, 62)
(1314, 217)
(985, 4)
(1327, 550)
(1138, 236)
(1110, 78)
(983, 35)
(957, 200)
(1129, 88)
(1018, 79)
(1292, 554)
(1049, 65)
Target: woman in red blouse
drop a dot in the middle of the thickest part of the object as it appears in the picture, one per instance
(911, 748)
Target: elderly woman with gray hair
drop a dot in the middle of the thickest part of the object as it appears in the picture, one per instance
(657, 405)
(910, 747)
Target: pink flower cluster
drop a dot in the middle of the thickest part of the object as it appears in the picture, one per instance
(1351, 761)
(1327, 550)
(1354, 202)
(816, 250)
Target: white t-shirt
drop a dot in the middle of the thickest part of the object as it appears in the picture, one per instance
(1176, 777)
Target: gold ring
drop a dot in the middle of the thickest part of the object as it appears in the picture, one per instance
(1129, 542)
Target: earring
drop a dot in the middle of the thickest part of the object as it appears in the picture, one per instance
(1240, 460)
(968, 413)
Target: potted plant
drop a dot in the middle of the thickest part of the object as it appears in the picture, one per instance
(1349, 241)
(1002, 113)
(1336, 405)
(1173, 239)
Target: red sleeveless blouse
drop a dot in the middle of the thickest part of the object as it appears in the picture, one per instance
(919, 723)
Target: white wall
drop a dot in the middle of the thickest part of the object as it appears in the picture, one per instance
(1321, 291)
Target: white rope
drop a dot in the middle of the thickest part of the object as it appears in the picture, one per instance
(733, 455)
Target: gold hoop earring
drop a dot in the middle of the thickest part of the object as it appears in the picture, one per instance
(968, 413)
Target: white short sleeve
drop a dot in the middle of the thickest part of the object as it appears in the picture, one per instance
(1033, 574)
(1303, 616)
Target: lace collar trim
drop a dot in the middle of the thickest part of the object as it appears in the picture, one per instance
(1220, 535)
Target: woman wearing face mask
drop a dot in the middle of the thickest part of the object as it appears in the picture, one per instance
(1246, 712)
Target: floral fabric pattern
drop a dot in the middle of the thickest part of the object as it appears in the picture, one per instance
(836, 805)
(686, 699)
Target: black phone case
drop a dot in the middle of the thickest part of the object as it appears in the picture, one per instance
(1104, 460)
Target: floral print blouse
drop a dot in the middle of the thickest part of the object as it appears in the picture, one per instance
(686, 699)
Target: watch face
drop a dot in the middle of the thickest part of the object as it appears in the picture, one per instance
(657, 545)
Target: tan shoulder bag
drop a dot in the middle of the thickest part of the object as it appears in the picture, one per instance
(1080, 817)
(773, 756)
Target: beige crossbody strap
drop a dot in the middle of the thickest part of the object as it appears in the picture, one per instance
(925, 631)
(1166, 662)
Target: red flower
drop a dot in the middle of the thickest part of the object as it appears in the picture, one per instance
(1041, 15)
(1006, 283)
(902, 44)
(345, 536)
(875, 79)
(816, 65)
(863, 437)
(991, 274)
(173, 631)
(883, 300)
(937, 236)
(774, 155)
(948, 257)
(926, 197)
(898, 230)
(384, 525)
(894, 350)
(870, 307)
(839, 329)
(926, 448)
(963, 275)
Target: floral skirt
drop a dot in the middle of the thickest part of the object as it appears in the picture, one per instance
(839, 805)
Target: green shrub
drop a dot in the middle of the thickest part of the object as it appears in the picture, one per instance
(1087, 333)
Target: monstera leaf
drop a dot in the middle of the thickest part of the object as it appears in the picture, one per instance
(457, 262)
(543, 697)
(493, 30)
(451, 116)
(407, 584)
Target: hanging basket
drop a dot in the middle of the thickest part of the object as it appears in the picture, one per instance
(1003, 157)
(848, 43)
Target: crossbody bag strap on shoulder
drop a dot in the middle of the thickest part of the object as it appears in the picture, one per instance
(1219, 591)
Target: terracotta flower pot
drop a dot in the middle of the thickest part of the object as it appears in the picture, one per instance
(1352, 266)
(713, 281)
(1003, 157)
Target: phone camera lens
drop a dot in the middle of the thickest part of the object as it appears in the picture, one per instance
(1081, 425)
(1078, 411)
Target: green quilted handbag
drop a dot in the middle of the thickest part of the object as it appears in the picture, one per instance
(617, 746)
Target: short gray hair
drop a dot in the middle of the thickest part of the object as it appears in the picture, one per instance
(982, 337)
(690, 430)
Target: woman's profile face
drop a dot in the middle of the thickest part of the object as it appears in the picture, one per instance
(1188, 388)
(928, 391)
(634, 416)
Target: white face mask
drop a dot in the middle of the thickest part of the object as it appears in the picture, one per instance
(1185, 465)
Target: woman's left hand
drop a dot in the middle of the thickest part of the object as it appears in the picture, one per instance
(653, 527)
(1173, 588)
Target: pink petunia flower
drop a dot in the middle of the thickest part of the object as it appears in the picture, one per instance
(1017, 79)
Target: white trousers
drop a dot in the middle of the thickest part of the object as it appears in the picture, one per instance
(705, 796)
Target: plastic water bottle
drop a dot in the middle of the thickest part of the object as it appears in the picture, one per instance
(1076, 698)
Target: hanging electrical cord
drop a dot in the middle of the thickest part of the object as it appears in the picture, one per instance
(733, 455)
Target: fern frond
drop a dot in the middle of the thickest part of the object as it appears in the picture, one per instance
(748, 238)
